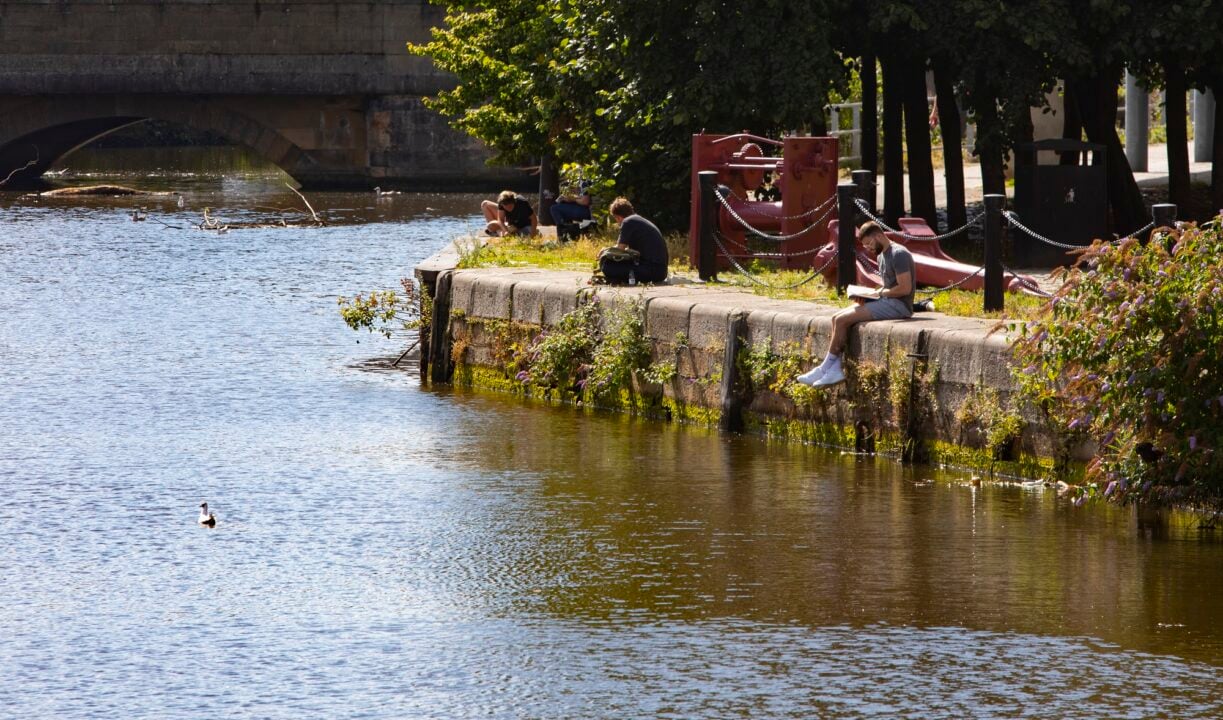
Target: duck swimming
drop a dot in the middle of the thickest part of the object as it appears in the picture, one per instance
(206, 518)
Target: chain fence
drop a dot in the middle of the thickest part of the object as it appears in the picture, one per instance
(822, 206)
(717, 238)
(766, 236)
(865, 209)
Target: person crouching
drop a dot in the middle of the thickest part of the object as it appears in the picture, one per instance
(641, 235)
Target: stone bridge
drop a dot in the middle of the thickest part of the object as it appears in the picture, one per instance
(325, 89)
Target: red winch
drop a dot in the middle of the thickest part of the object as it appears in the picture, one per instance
(805, 174)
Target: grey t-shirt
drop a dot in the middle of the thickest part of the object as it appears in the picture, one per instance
(894, 261)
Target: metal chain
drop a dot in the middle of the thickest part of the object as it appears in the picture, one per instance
(766, 236)
(831, 199)
(954, 285)
(770, 255)
(866, 210)
(1026, 283)
(747, 274)
(1014, 220)
(1140, 231)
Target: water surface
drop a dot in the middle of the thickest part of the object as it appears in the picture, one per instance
(386, 551)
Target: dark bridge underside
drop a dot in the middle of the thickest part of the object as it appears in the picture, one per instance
(28, 157)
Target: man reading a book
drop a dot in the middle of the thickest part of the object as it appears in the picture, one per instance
(893, 301)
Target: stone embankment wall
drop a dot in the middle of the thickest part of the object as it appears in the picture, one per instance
(933, 388)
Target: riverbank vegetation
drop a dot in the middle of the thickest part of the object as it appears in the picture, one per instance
(580, 255)
(1129, 355)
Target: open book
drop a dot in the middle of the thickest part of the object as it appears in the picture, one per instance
(861, 291)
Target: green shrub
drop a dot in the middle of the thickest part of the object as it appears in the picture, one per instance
(384, 311)
(621, 351)
(1130, 354)
(560, 357)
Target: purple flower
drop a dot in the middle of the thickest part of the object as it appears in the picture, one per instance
(1108, 491)
(1080, 500)
(1193, 442)
(1159, 396)
(1106, 387)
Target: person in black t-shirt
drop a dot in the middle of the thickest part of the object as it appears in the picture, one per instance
(512, 214)
(636, 233)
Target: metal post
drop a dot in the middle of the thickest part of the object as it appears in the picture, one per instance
(847, 216)
(994, 205)
(731, 419)
(707, 256)
(1136, 125)
(1164, 215)
(1203, 125)
(865, 182)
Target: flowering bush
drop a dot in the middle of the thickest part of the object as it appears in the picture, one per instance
(1130, 354)
(560, 357)
(384, 311)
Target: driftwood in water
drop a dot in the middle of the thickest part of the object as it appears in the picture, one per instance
(110, 190)
(221, 226)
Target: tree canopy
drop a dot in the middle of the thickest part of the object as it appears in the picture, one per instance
(614, 89)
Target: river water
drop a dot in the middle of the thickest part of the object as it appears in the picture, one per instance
(389, 551)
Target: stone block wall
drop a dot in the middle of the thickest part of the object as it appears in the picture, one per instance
(941, 361)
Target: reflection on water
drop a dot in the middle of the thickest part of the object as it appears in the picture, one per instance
(387, 551)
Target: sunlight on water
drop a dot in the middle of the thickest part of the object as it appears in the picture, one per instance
(387, 551)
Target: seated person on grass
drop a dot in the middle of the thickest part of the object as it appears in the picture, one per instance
(512, 214)
(895, 302)
(571, 207)
(641, 235)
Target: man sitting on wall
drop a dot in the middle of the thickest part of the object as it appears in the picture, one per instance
(894, 302)
(512, 214)
(649, 257)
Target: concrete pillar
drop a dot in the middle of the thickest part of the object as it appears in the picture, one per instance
(1203, 126)
(1136, 126)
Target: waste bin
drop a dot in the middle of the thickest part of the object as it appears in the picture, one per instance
(1067, 203)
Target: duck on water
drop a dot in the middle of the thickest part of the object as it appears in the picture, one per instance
(207, 519)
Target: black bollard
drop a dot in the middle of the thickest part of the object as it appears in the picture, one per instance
(707, 252)
(865, 182)
(994, 205)
(439, 332)
(1163, 215)
(731, 419)
(847, 215)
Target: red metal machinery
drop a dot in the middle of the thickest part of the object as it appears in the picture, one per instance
(805, 172)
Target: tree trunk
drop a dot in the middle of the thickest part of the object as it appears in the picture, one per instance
(893, 149)
(1216, 159)
(549, 186)
(1177, 127)
(1072, 124)
(1097, 101)
(869, 116)
(989, 148)
(953, 156)
(917, 138)
(819, 124)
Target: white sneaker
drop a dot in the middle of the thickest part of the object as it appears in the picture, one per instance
(831, 376)
(812, 376)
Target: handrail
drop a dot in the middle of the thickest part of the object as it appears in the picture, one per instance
(749, 136)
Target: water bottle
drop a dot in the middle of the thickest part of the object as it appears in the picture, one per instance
(632, 277)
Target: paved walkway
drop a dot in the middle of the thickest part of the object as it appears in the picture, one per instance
(1156, 176)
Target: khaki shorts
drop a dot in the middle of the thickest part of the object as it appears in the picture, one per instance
(889, 309)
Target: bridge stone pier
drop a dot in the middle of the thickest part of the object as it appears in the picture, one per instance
(325, 89)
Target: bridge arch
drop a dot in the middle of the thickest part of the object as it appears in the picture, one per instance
(40, 131)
